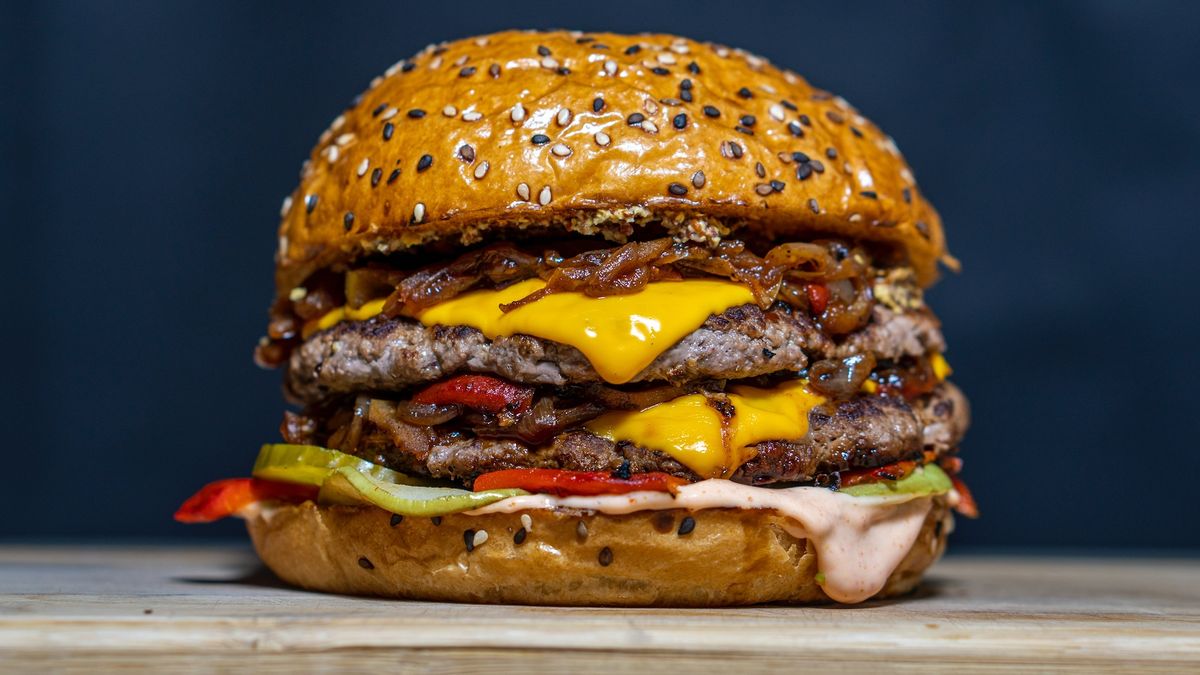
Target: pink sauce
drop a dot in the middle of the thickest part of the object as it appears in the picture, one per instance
(859, 540)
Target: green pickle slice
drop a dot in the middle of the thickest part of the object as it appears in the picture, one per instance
(311, 465)
(349, 486)
(926, 480)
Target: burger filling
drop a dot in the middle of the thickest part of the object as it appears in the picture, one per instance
(798, 364)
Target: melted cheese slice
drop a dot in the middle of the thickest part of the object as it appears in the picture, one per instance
(695, 432)
(619, 334)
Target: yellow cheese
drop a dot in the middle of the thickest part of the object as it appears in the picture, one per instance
(941, 368)
(619, 334)
(692, 431)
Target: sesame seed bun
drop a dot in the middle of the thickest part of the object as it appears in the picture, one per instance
(648, 558)
(596, 134)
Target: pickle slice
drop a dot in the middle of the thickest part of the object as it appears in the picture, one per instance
(311, 465)
(925, 480)
(348, 486)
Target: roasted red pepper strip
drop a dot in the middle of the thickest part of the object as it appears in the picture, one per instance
(564, 483)
(481, 392)
(966, 501)
(818, 297)
(224, 498)
(890, 472)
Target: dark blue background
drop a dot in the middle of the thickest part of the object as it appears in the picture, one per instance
(146, 147)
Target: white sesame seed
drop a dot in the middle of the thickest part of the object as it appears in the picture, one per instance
(419, 212)
(649, 127)
(363, 166)
(518, 113)
(286, 207)
(768, 88)
(776, 112)
(338, 122)
(482, 169)
(297, 294)
(389, 113)
(610, 67)
(649, 64)
(461, 60)
(680, 48)
(581, 529)
(650, 106)
(449, 111)
(435, 63)
(549, 62)
(523, 191)
(723, 52)
(544, 196)
(855, 217)
(376, 81)
(345, 139)
(666, 58)
(480, 537)
(560, 149)
(602, 138)
(394, 68)
(332, 152)
(527, 522)
(472, 116)
(482, 42)
(563, 117)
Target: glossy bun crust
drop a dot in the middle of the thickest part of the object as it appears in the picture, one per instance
(732, 557)
(434, 152)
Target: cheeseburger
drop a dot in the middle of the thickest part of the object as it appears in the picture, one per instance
(593, 319)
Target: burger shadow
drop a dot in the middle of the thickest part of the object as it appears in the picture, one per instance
(253, 577)
(929, 589)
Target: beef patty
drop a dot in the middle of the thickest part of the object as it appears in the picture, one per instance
(382, 354)
(864, 432)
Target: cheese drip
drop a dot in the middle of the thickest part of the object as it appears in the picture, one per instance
(714, 435)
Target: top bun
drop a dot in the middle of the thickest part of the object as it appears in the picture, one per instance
(596, 133)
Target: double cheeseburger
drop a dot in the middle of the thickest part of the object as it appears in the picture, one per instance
(595, 319)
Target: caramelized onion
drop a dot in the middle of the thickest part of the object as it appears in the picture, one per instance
(841, 379)
(426, 414)
(540, 423)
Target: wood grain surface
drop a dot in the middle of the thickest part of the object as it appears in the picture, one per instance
(179, 609)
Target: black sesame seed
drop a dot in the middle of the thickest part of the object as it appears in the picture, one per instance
(469, 539)
(686, 95)
(856, 131)
(519, 536)
(467, 153)
(584, 40)
(745, 93)
(467, 72)
(760, 169)
(425, 162)
(698, 180)
(768, 354)
(813, 206)
(778, 185)
(600, 45)
(397, 519)
(632, 49)
(693, 68)
(685, 83)
(387, 131)
(736, 149)
(817, 166)
(745, 130)
(803, 171)
(800, 157)
(804, 119)
(416, 113)
(605, 556)
(796, 129)
(563, 70)
(659, 70)
(348, 221)
(378, 109)
(788, 104)
(834, 116)
(494, 70)
(543, 50)
(831, 153)
(597, 104)
(748, 120)
(677, 189)
(869, 194)
(310, 203)
(907, 193)
(711, 111)
(440, 49)
(688, 524)
(635, 119)
(539, 139)
(375, 176)
(393, 176)
(408, 66)
(680, 121)
(436, 520)
(366, 564)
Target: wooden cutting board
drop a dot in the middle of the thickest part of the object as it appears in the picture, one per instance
(164, 609)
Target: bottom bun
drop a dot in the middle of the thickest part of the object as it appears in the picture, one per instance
(568, 557)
